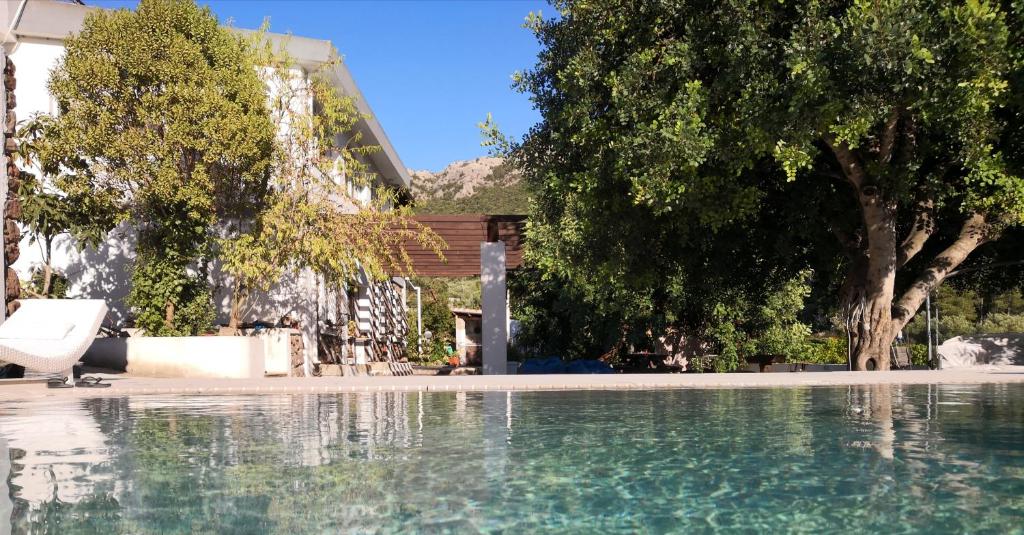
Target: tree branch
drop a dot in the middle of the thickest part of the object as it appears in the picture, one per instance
(848, 162)
(924, 227)
(909, 143)
(974, 232)
(888, 142)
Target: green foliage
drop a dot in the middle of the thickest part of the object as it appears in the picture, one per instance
(159, 278)
(48, 213)
(163, 117)
(165, 122)
(57, 288)
(830, 350)
(686, 166)
(779, 331)
(919, 355)
(488, 199)
(1002, 323)
(437, 318)
(557, 319)
(769, 326)
(968, 311)
(463, 292)
(309, 213)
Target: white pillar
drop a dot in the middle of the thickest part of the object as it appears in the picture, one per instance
(493, 304)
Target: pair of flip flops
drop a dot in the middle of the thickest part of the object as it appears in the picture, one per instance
(84, 382)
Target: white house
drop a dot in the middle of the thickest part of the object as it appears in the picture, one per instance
(33, 36)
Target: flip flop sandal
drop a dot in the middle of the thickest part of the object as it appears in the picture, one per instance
(91, 382)
(56, 382)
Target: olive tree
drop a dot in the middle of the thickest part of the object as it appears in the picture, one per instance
(664, 123)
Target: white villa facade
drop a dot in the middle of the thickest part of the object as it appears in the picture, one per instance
(33, 37)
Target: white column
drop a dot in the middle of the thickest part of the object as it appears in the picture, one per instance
(494, 326)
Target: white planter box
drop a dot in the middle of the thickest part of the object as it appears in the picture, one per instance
(277, 349)
(231, 357)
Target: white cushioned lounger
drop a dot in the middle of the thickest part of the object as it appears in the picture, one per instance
(51, 335)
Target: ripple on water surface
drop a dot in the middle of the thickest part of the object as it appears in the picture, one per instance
(872, 458)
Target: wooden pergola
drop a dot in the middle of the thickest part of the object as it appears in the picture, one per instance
(477, 245)
(463, 235)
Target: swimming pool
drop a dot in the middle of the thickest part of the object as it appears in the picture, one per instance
(864, 458)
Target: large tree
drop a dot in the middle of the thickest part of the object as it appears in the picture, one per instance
(163, 108)
(664, 123)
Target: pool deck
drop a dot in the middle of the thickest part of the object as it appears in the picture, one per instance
(122, 385)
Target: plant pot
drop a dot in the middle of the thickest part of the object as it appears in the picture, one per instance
(453, 360)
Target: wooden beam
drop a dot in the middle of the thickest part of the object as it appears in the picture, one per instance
(463, 234)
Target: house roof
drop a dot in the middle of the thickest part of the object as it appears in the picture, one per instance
(466, 311)
(55, 20)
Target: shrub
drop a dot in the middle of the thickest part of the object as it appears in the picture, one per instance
(919, 355)
(58, 284)
(831, 350)
(1000, 322)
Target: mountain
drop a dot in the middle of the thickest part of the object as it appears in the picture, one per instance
(482, 185)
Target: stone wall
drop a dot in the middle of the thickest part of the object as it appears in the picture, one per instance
(12, 208)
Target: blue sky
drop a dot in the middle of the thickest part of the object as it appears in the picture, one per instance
(431, 70)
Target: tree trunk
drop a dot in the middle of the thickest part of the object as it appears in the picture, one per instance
(47, 276)
(872, 332)
(47, 269)
(169, 316)
(870, 311)
(870, 285)
(873, 317)
(867, 304)
(239, 298)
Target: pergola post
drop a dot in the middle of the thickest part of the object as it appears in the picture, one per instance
(494, 308)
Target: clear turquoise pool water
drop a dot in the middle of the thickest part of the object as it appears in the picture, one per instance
(858, 459)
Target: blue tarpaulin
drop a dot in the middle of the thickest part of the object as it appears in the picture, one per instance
(555, 365)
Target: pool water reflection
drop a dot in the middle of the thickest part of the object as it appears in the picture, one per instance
(872, 458)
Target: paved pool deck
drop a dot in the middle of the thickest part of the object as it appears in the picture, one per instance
(122, 385)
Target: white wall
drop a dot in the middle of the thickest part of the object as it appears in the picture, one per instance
(34, 59)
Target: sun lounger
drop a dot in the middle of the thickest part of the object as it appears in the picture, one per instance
(51, 335)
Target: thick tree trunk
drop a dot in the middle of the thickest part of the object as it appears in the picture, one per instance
(867, 297)
(872, 331)
(870, 286)
(870, 317)
(868, 322)
(873, 316)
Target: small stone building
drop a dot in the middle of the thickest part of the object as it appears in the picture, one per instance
(468, 338)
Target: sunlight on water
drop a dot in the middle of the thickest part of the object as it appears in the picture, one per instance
(874, 458)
